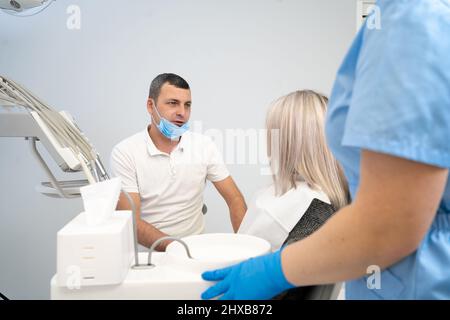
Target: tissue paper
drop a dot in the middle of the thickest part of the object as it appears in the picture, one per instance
(100, 200)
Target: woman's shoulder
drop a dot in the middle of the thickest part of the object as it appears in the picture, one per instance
(304, 190)
(301, 193)
(296, 199)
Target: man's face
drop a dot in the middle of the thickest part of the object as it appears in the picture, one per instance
(174, 104)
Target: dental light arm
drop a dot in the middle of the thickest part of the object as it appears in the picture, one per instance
(24, 115)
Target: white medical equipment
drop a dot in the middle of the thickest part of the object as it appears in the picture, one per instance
(174, 274)
(95, 256)
(24, 115)
(24, 5)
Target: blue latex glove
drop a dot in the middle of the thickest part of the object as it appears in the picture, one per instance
(256, 278)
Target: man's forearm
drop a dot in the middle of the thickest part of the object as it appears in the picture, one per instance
(343, 249)
(237, 208)
(148, 234)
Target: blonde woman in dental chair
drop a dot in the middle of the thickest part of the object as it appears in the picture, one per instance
(308, 183)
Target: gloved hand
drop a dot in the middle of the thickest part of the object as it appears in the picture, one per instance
(257, 278)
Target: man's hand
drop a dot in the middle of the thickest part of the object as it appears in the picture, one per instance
(147, 234)
(234, 199)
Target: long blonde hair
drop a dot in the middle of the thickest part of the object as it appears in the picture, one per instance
(297, 146)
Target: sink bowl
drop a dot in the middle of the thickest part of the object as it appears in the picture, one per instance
(213, 251)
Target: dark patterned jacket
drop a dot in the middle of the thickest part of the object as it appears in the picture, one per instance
(315, 216)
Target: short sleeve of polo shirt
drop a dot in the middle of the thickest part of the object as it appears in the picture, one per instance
(122, 166)
(216, 168)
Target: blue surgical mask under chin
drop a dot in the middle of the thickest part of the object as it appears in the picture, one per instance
(170, 130)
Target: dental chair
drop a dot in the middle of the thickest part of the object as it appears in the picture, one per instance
(315, 216)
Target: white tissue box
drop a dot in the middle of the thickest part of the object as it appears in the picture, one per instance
(95, 255)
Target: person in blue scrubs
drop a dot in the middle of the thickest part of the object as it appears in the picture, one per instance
(388, 124)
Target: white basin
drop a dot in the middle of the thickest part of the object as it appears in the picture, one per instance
(214, 250)
(174, 275)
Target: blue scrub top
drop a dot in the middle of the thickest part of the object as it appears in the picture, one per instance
(392, 95)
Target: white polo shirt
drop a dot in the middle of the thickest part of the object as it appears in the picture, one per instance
(170, 185)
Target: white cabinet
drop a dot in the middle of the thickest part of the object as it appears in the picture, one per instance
(363, 8)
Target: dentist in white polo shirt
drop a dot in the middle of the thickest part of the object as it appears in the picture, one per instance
(164, 168)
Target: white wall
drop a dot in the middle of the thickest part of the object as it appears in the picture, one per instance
(237, 55)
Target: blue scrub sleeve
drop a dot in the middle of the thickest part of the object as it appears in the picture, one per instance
(401, 99)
